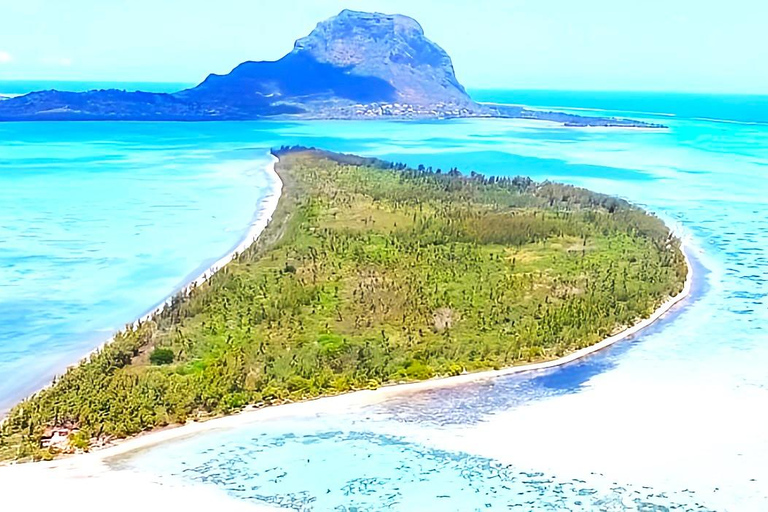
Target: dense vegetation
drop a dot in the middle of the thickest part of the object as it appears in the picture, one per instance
(370, 273)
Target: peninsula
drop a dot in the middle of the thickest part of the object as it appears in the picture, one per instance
(370, 273)
(356, 65)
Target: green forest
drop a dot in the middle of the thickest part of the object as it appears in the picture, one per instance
(370, 273)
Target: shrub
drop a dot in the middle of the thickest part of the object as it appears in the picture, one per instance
(161, 356)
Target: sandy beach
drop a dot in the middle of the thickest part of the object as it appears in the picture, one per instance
(261, 218)
(88, 479)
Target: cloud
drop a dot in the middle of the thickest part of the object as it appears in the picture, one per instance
(5, 57)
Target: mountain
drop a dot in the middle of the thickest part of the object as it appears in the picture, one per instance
(296, 82)
(392, 48)
(354, 65)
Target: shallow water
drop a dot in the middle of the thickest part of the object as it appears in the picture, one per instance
(671, 420)
(98, 224)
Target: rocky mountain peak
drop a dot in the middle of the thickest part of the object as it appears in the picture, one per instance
(391, 47)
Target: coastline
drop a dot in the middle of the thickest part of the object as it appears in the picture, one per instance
(89, 480)
(95, 469)
(261, 218)
(367, 397)
(92, 479)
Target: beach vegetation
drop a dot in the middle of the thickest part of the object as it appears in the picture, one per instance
(370, 273)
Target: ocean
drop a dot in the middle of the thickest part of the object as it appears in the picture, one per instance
(742, 108)
(104, 220)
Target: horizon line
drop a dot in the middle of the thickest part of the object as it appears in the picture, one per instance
(468, 88)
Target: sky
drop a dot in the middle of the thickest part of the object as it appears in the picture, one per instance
(628, 45)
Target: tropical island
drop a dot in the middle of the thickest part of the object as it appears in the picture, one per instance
(356, 65)
(370, 273)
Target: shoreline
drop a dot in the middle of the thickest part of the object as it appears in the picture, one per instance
(97, 473)
(97, 469)
(259, 221)
(345, 401)
(249, 414)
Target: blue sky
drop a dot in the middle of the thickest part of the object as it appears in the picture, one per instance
(666, 45)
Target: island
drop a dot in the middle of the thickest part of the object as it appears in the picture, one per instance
(356, 65)
(369, 274)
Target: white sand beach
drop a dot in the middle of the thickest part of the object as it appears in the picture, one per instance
(262, 217)
(80, 485)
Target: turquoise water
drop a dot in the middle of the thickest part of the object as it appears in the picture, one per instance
(99, 223)
(671, 420)
(743, 108)
(296, 466)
